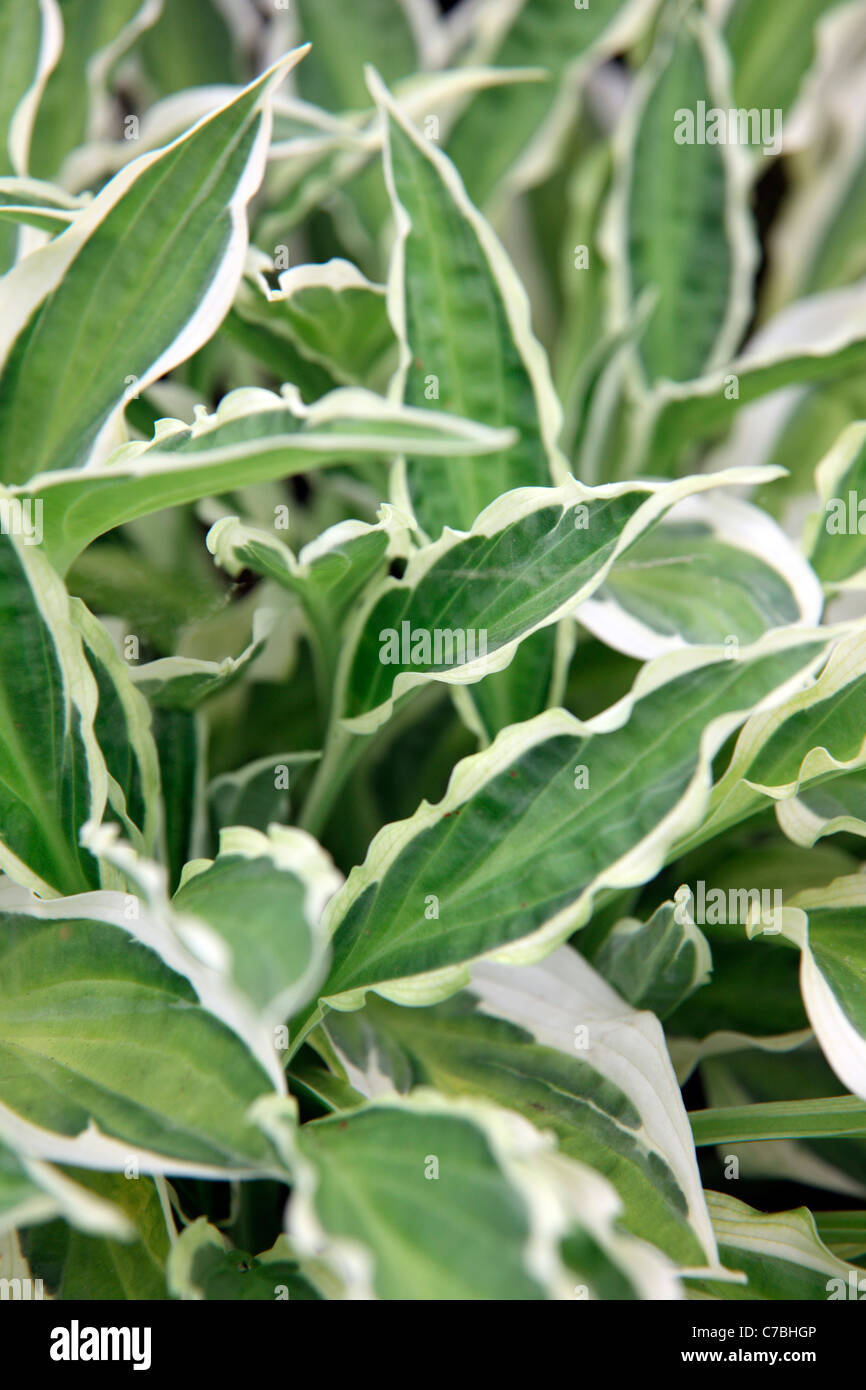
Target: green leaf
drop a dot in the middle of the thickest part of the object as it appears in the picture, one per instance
(331, 315)
(715, 570)
(678, 227)
(655, 964)
(834, 541)
(532, 557)
(99, 1038)
(345, 36)
(828, 808)
(123, 731)
(185, 682)
(743, 1072)
(181, 741)
(490, 1228)
(462, 320)
(827, 925)
(603, 1085)
(96, 1268)
(329, 574)
(30, 41)
(507, 138)
(202, 1265)
(829, 1117)
(266, 435)
(771, 57)
(316, 155)
(781, 1254)
(257, 794)
(258, 906)
(816, 242)
(53, 777)
(190, 45)
(169, 233)
(95, 33)
(534, 828)
(844, 1232)
(816, 734)
(819, 339)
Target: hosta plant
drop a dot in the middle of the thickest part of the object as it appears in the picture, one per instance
(432, 651)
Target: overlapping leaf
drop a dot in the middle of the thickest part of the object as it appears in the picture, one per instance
(466, 602)
(253, 436)
(533, 829)
(364, 1201)
(555, 1044)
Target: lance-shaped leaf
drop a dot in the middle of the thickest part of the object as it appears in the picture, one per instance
(717, 570)
(780, 1253)
(835, 540)
(182, 740)
(462, 321)
(52, 774)
(108, 1055)
(78, 1265)
(96, 33)
(33, 1191)
(252, 437)
(656, 964)
(531, 830)
(761, 1093)
(814, 736)
(331, 315)
(145, 273)
(259, 904)
(678, 224)
(503, 1205)
(466, 602)
(827, 925)
(123, 732)
(30, 41)
(555, 1044)
(508, 139)
(329, 573)
(818, 339)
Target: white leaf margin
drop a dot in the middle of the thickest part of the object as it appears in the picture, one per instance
(738, 524)
(34, 278)
(638, 865)
(557, 1193)
(506, 510)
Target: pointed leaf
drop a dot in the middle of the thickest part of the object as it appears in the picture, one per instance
(169, 233)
